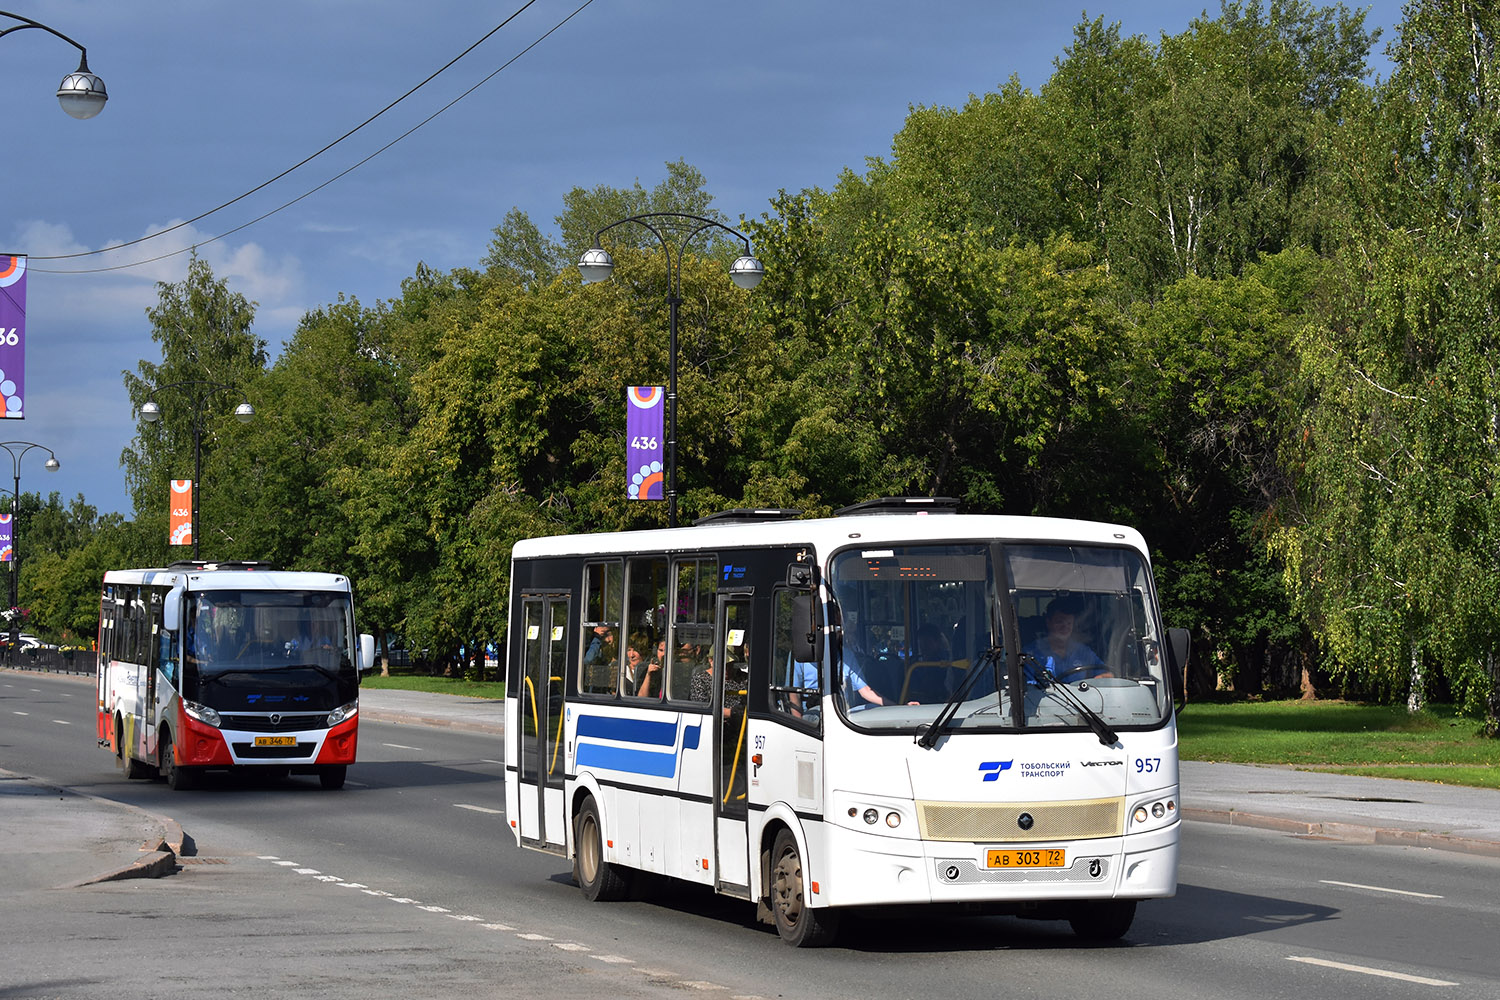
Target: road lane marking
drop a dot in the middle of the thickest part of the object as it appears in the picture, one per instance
(570, 946)
(1380, 888)
(614, 959)
(479, 809)
(400, 746)
(1366, 970)
(20, 713)
(62, 722)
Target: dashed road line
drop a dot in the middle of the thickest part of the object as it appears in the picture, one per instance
(479, 809)
(1381, 888)
(571, 947)
(400, 746)
(1368, 971)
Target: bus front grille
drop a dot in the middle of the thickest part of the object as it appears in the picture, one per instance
(261, 722)
(1023, 822)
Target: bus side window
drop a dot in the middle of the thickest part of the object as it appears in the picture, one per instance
(796, 687)
(646, 621)
(602, 593)
(693, 628)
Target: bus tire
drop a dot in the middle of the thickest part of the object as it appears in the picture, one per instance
(332, 776)
(600, 880)
(1102, 920)
(179, 779)
(132, 767)
(799, 925)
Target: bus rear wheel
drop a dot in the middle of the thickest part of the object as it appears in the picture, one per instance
(799, 925)
(178, 778)
(1103, 920)
(600, 880)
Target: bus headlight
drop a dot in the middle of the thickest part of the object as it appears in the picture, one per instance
(342, 714)
(201, 713)
(1151, 814)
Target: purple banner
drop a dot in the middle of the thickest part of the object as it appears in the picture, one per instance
(644, 441)
(7, 547)
(13, 333)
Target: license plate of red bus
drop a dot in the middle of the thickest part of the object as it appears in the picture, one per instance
(1043, 857)
(275, 741)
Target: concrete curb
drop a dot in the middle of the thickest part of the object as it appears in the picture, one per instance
(158, 854)
(1347, 831)
(433, 722)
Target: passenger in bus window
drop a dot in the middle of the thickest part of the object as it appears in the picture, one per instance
(599, 661)
(650, 681)
(1059, 652)
(635, 661)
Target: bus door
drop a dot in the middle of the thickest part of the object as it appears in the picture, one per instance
(731, 735)
(543, 820)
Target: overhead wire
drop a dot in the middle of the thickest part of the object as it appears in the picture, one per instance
(285, 205)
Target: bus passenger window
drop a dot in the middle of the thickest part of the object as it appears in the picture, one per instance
(646, 620)
(602, 592)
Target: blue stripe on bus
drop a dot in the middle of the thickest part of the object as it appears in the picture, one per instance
(605, 727)
(660, 765)
(632, 760)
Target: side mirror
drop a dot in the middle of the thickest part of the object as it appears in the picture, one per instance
(804, 629)
(1179, 647)
(171, 610)
(366, 652)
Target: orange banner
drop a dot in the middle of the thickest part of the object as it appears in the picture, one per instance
(181, 531)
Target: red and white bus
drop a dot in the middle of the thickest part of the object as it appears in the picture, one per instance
(229, 665)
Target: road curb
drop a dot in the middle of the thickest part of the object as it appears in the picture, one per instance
(1347, 831)
(158, 854)
(416, 719)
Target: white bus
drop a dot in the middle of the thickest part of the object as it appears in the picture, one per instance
(229, 665)
(895, 705)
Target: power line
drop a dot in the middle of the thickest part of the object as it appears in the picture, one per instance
(303, 162)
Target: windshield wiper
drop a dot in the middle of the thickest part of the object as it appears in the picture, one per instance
(1047, 681)
(927, 736)
(280, 667)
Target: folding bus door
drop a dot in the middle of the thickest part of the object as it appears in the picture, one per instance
(543, 654)
(731, 652)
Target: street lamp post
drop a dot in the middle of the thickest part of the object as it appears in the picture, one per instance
(81, 94)
(596, 265)
(15, 549)
(198, 389)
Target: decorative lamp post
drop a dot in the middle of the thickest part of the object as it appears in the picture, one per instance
(597, 265)
(15, 507)
(81, 93)
(197, 389)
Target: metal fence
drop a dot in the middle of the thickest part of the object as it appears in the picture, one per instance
(53, 661)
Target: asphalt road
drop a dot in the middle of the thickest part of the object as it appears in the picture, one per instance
(406, 883)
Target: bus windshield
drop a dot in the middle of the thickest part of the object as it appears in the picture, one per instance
(1080, 625)
(243, 631)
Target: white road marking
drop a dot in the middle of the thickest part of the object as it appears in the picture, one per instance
(614, 959)
(570, 946)
(533, 937)
(62, 722)
(400, 746)
(435, 909)
(1380, 888)
(1366, 970)
(20, 713)
(497, 927)
(479, 809)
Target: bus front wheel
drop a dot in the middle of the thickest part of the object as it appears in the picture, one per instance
(178, 778)
(599, 879)
(1103, 920)
(332, 776)
(799, 925)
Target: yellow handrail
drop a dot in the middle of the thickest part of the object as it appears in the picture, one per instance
(739, 748)
(557, 743)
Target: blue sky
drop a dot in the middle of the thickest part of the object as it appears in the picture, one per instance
(210, 99)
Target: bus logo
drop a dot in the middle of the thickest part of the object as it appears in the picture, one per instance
(992, 769)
